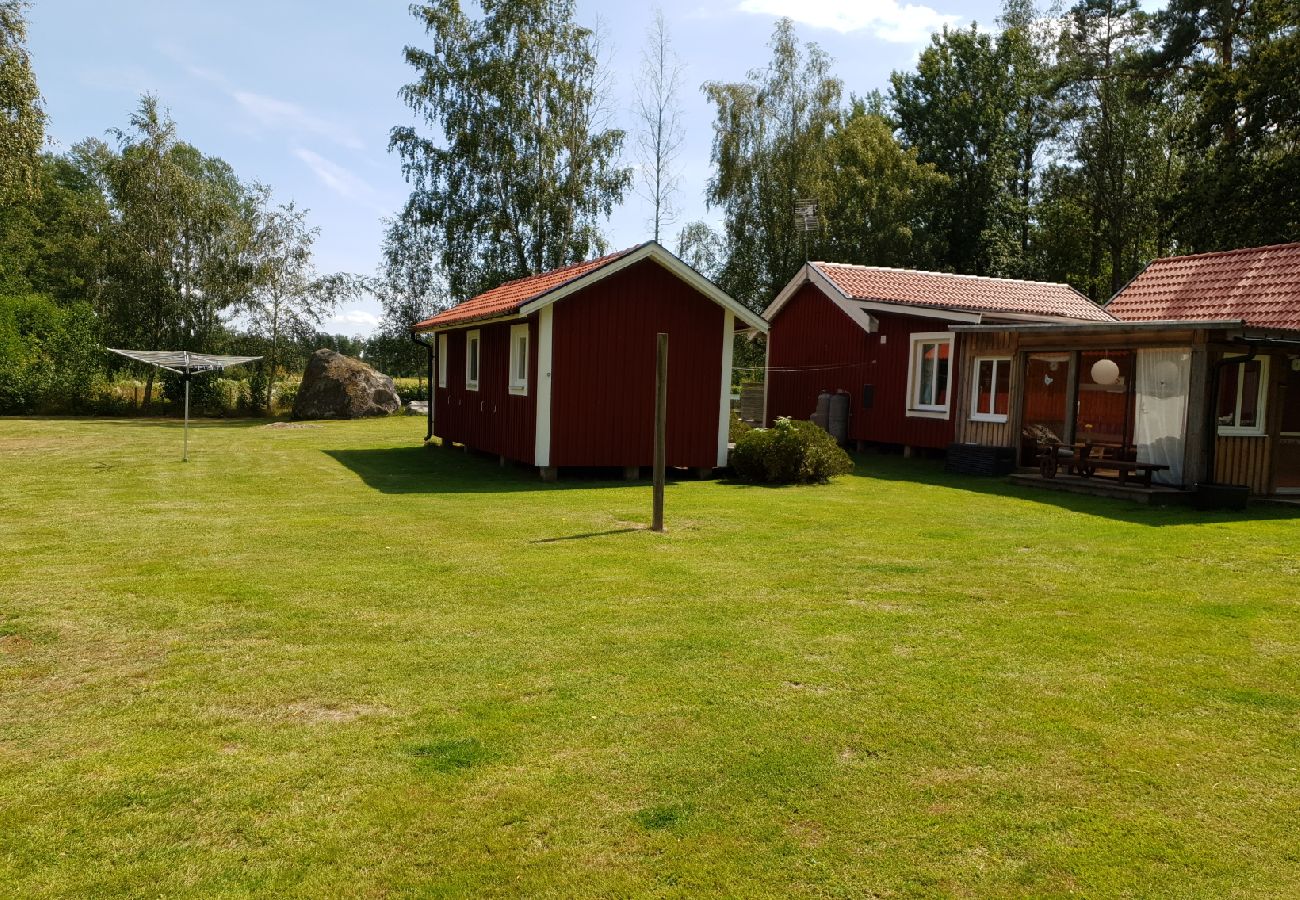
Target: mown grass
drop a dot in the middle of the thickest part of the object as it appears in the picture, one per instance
(329, 661)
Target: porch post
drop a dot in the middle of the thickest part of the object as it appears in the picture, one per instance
(1072, 397)
(1196, 438)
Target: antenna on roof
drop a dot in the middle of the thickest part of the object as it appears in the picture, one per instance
(806, 220)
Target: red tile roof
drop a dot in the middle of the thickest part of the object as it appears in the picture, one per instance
(972, 293)
(1257, 285)
(509, 297)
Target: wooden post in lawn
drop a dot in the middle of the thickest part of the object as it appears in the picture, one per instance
(661, 429)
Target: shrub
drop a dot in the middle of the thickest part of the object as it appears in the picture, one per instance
(790, 452)
(49, 355)
(286, 392)
(738, 427)
(409, 389)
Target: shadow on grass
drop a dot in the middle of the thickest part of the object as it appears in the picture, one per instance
(590, 534)
(431, 470)
(886, 467)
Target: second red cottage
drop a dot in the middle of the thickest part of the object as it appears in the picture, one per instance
(558, 369)
(878, 338)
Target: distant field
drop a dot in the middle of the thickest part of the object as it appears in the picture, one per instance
(331, 662)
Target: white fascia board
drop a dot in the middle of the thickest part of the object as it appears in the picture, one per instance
(799, 280)
(467, 324)
(921, 312)
(657, 253)
(810, 274)
(1049, 318)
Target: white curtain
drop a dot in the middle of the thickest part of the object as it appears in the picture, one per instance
(1161, 427)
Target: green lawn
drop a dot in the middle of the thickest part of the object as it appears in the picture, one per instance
(330, 661)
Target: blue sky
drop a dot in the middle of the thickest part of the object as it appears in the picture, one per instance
(301, 95)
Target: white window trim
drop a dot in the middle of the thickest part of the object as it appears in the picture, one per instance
(442, 360)
(471, 384)
(934, 411)
(1259, 429)
(518, 386)
(1001, 365)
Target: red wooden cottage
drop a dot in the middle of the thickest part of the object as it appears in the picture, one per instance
(1200, 376)
(879, 338)
(558, 369)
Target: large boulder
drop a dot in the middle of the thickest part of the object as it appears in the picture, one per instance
(340, 387)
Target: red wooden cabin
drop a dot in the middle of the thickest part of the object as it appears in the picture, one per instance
(881, 336)
(558, 369)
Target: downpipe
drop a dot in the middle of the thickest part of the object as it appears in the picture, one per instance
(428, 347)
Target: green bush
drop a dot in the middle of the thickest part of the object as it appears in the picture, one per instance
(286, 393)
(409, 389)
(790, 452)
(50, 357)
(738, 427)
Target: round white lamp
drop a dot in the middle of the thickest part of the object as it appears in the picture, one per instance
(1105, 371)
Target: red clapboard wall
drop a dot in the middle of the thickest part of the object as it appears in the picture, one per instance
(813, 347)
(603, 371)
(489, 419)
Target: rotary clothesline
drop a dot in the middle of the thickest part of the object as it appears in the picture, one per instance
(185, 363)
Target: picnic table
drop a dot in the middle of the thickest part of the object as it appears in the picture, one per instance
(1086, 458)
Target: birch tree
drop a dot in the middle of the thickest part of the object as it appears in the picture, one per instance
(22, 117)
(517, 168)
(658, 110)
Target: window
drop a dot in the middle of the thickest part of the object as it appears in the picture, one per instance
(929, 375)
(990, 391)
(442, 360)
(519, 359)
(1242, 392)
(471, 360)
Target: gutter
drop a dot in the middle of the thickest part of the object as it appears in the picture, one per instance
(429, 349)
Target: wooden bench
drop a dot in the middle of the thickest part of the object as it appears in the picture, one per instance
(1122, 468)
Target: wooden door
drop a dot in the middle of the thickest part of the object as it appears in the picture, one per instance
(1286, 458)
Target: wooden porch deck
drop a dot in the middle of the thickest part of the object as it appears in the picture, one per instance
(1155, 495)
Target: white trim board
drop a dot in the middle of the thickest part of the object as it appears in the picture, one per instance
(724, 411)
(658, 254)
(542, 429)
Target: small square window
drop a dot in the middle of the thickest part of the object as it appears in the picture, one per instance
(471, 360)
(519, 359)
(930, 375)
(990, 392)
(1243, 391)
(442, 360)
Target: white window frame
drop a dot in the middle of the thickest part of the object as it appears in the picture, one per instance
(931, 411)
(442, 360)
(472, 337)
(1001, 369)
(1260, 427)
(519, 383)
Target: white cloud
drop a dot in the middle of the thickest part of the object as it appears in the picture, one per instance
(272, 112)
(886, 19)
(340, 180)
(356, 317)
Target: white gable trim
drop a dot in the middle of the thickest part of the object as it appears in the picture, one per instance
(857, 310)
(655, 252)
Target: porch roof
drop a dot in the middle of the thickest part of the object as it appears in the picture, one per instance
(1113, 327)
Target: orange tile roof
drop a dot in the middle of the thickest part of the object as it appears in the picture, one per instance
(973, 293)
(509, 297)
(1257, 285)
